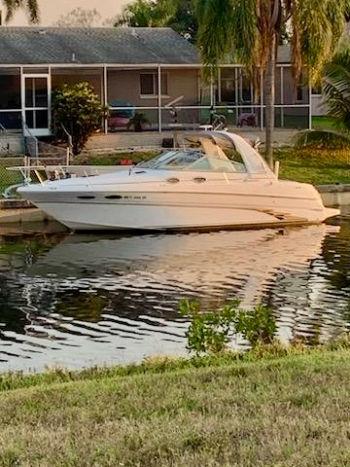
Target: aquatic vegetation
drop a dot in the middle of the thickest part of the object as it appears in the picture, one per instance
(211, 331)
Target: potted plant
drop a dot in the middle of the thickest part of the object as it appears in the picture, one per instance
(138, 121)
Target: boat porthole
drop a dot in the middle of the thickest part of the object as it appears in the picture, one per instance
(113, 197)
(199, 179)
(86, 197)
(173, 180)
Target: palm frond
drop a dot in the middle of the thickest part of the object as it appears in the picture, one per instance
(317, 27)
(336, 87)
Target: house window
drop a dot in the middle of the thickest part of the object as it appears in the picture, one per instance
(149, 84)
(246, 89)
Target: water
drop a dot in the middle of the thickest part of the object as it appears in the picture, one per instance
(82, 300)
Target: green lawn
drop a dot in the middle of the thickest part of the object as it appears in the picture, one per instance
(281, 411)
(7, 177)
(316, 166)
(323, 123)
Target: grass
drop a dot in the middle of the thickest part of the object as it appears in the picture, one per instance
(274, 407)
(113, 158)
(9, 178)
(324, 123)
(311, 165)
(316, 166)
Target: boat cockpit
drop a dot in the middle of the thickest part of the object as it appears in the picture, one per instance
(211, 152)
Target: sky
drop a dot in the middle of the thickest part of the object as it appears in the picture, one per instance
(51, 10)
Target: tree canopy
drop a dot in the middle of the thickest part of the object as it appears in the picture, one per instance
(30, 6)
(80, 17)
(177, 14)
(249, 32)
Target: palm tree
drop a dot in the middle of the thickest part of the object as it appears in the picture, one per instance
(336, 88)
(31, 6)
(336, 97)
(250, 30)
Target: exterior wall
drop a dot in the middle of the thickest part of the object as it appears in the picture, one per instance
(124, 85)
(233, 95)
(318, 107)
(60, 77)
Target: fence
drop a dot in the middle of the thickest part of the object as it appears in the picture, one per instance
(295, 116)
(10, 177)
(38, 153)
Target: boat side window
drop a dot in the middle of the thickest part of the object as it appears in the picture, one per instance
(153, 163)
(236, 160)
(254, 161)
(213, 164)
(182, 160)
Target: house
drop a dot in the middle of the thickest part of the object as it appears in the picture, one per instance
(133, 70)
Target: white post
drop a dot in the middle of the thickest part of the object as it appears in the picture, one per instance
(160, 124)
(310, 106)
(261, 100)
(49, 98)
(105, 96)
(212, 99)
(282, 96)
(68, 156)
(277, 168)
(23, 99)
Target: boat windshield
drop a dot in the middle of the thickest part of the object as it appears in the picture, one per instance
(196, 160)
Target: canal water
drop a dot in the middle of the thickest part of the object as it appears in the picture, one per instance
(82, 300)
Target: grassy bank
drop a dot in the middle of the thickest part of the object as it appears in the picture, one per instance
(316, 166)
(280, 408)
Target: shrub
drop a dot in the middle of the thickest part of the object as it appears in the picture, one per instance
(211, 331)
(79, 110)
(137, 122)
(257, 325)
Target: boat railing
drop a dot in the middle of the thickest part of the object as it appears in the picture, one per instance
(43, 173)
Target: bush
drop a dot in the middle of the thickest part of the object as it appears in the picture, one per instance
(79, 110)
(211, 331)
(322, 139)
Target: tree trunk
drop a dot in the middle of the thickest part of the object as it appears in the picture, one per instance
(270, 99)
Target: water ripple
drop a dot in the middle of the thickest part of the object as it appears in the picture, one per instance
(84, 299)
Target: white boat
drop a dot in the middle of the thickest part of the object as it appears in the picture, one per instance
(217, 181)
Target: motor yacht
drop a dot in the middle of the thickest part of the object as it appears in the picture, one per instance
(212, 180)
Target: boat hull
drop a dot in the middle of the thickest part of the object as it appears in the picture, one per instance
(110, 216)
(152, 201)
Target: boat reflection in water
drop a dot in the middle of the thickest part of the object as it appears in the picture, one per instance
(93, 300)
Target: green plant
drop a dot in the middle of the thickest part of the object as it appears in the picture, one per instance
(210, 331)
(138, 121)
(78, 108)
(257, 325)
(180, 15)
(322, 139)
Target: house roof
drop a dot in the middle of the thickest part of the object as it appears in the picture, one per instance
(48, 45)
